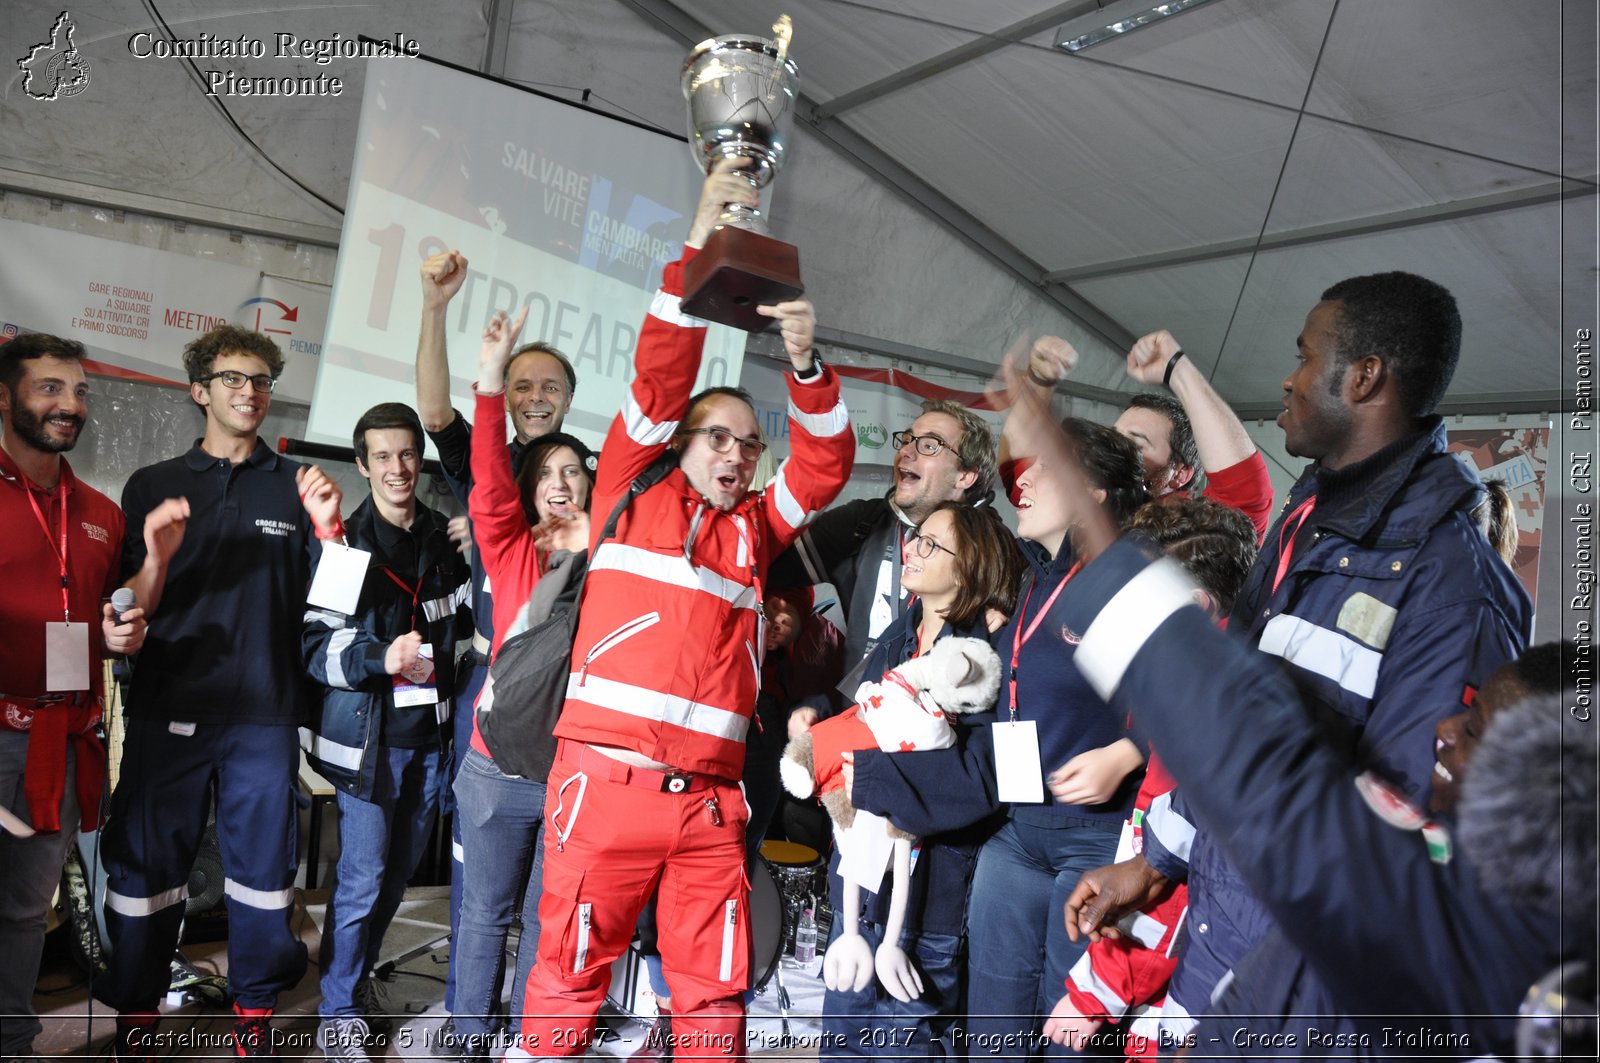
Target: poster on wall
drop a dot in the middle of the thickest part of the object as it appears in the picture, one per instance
(1514, 454)
(135, 308)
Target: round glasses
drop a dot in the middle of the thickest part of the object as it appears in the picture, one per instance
(924, 547)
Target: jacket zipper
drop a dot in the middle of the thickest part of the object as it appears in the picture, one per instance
(620, 635)
(755, 665)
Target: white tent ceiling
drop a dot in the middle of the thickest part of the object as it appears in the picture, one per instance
(959, 180)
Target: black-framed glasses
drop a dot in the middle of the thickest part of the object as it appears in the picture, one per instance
(722, 442)
(235, 380)
(927, 446)
(924, 547)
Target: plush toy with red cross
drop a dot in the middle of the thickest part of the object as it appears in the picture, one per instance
(906, 710)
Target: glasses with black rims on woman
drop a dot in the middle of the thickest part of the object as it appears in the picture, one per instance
(722, 441)
(923, 546)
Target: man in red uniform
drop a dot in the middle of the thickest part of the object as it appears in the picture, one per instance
(62, 547)
(644, 796)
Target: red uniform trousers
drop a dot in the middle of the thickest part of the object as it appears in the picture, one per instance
(613, 837)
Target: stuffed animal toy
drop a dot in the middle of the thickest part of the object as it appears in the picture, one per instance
(904, 711)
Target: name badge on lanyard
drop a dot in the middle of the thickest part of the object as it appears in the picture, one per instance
(66, 656)
(66, 644)
(1019, 771)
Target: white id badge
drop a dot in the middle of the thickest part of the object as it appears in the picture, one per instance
(864, 855)
(340, 574)
(1018, 771)
(66, 656)
(415, 685)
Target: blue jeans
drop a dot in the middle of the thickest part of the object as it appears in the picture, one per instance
(872, 1023)
(500, 817)
(1020, 954)
(380, 844)
(31, 872)
(466, 698)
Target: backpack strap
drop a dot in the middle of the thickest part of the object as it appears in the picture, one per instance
(653, 474)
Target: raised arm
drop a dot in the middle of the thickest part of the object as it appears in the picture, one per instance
(498, 521)
(667, 358)
(148, 549)
(442, 276)
(1218, 434)
(822, 447)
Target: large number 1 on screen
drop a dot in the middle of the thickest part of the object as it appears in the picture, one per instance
(388, 241)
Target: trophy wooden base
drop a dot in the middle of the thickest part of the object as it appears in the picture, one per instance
(735, 272)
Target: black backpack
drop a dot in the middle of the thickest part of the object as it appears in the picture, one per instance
(527, 682)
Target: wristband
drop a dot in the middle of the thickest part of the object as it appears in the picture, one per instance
(1172, 363)
(1048, 385)
(335, 532)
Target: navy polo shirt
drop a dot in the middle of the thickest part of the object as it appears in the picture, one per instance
(224, 646)
(454, 444)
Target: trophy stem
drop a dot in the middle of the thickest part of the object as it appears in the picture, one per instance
(742, 217)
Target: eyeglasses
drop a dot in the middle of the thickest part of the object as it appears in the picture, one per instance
(924, 547)
(927, 446)
(722, 442)
(235, 380)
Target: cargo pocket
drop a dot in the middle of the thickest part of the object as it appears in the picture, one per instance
(577, 929)
(734, 966)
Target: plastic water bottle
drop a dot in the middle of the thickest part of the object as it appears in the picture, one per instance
(805, 938)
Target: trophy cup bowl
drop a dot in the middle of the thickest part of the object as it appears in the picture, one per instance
(740, 93)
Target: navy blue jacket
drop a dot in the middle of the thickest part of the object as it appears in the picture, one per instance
(355, 714)
(1372, 934)
(951, 823)
(1393, 608)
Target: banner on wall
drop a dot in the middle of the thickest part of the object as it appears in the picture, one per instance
(881, 403)
(1515, 455)
(135, 308)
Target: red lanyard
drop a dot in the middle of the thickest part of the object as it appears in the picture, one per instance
(1019, 637)
(1298, 518)
(61, 555)
(415, 593)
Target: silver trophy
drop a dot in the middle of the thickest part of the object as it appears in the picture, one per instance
(740, 92)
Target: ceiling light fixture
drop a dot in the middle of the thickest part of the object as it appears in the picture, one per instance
(1126, 16)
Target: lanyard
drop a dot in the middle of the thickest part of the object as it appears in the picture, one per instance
(1019, 637)
(61, 554)
(1297, 517)
(415, 593)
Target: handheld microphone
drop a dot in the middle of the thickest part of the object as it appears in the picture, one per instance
(123, 600)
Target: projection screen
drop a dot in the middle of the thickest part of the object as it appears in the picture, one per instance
(568, 211)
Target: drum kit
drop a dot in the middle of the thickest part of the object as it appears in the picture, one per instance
(788, 879)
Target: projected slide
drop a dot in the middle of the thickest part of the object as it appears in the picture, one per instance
(568, 212)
